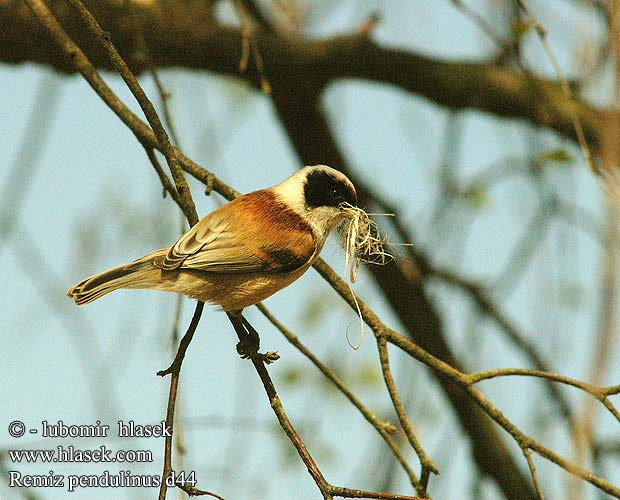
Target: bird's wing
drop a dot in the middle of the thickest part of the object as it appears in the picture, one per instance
(237, 237)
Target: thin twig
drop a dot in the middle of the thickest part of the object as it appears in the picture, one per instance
(150, 141)
(484, 25)
(600, 393)
(22, 170)
(184, 344)
(174, 370)
(483, 301)
(163, 177)
(248, 43)
(255, 12)
(606, 328)
(178, 310)
(196, 492)
(425, 461)
(294, 437)
(327, 490)
(523, 253)
(182, 190)
(164, 95)
(184, 198)
(34, 258)
(147, 107)
(26, 493)
(339, 491)
(532, 467)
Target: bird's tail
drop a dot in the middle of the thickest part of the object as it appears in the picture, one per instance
(141, 273)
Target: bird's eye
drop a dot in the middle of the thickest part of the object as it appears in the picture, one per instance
(334, 194)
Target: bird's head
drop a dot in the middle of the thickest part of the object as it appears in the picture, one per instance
(319, 194)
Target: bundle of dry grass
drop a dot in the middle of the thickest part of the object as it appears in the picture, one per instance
(362, 242)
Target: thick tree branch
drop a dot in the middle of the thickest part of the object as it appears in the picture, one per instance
(187, 36)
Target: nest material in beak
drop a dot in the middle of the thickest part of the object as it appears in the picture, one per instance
(361, 240)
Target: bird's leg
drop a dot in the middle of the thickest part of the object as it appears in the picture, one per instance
(252, 333)
(249, 340)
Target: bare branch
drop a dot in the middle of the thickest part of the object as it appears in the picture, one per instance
(425, 461)
(197, 492)
(403, 285)
(483, 301)
(254, 11)
(383, 428)
(599, 393)
(174, 371)
(532, 467)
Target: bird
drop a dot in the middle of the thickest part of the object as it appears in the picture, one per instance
(243, 251)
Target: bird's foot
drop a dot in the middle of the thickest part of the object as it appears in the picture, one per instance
(249, 341)
(248, 349)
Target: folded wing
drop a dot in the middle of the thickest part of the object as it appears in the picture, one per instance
(244, 237)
